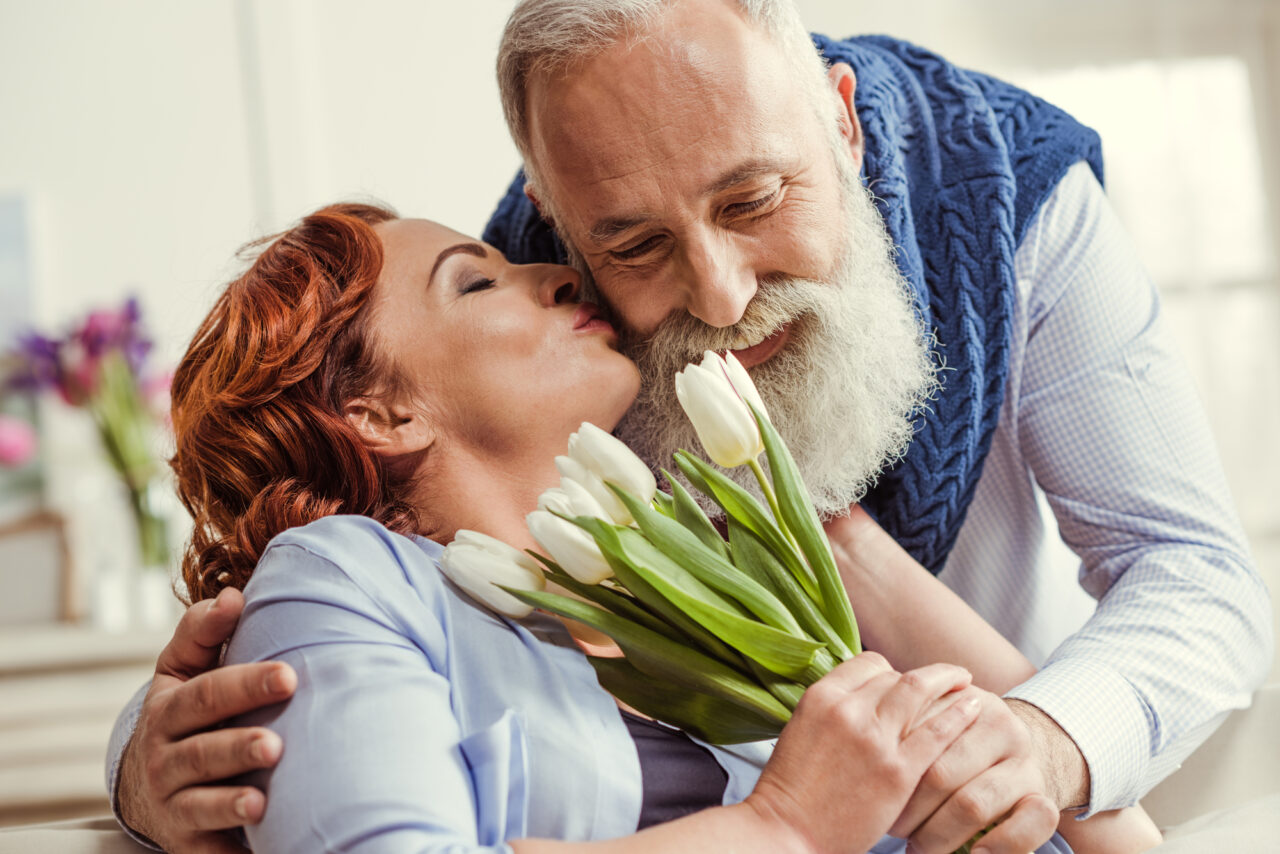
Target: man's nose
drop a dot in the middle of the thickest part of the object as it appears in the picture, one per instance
(719, 280)
(558, 284)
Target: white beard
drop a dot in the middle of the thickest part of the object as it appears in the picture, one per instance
(845, 389)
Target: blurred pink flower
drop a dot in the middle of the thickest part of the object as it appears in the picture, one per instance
(17, 442)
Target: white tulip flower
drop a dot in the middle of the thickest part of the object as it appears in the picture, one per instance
(611, 459)
(570, 546)
(478, 563)
(556, 500)
(717, 409)
(611, 507)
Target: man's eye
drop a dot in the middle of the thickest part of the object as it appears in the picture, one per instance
(742, 208)
(639, 250)
(477, 285)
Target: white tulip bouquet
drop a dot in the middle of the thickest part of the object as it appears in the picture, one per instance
(719, 637)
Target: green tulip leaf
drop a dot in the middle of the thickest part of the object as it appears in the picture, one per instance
(780, 651)
(689, 514)
(685, 548)
(705, 716)
(663, 504)
(661, 657)
(753, 557)
(648, 597)
(742, 506)
(802, 520)
(608, 598)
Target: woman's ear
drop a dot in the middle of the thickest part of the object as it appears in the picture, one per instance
(844, 81)
(388, 429)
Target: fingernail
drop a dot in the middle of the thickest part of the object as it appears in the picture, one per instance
(971, 705)
(276, 681)
(242, 806)
(264, 749)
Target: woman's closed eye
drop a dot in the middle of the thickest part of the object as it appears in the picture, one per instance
(477, 284)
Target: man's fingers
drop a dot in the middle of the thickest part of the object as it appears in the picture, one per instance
(212, 697)
(973, 807)
(917, 690)
(217, 807)
(200, 634)
(931, 737)
(1029, 826)
(217, 755)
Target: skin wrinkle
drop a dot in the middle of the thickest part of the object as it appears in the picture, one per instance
(626, 133)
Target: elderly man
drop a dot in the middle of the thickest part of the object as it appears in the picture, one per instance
(849, 226)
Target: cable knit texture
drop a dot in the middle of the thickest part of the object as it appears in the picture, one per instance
(959, 164)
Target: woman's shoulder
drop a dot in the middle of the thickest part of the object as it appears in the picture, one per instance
(346, 551)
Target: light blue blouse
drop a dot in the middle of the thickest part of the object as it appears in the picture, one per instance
(425, 722)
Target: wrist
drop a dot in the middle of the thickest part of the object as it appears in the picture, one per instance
(763, 820)
(865, 553)
(1065, 771)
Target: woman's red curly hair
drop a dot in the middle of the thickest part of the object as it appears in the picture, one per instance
(262, 442)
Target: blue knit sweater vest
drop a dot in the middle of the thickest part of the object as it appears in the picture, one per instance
(959, 164)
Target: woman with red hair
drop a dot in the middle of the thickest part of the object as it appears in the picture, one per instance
(371, 386)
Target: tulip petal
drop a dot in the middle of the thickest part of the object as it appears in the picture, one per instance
(719, 416)
(606, 504)
(570, 546)
(614, 462)
(743, 384)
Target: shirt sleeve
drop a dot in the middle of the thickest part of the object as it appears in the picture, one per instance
(125, 724)
(371, 759)
(1113, 432)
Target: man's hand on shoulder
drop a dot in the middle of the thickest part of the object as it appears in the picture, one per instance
(167, 784)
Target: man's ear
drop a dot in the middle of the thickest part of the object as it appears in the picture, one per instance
(843, 82)
(388, 429)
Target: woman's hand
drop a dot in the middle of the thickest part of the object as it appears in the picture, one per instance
(856, 748)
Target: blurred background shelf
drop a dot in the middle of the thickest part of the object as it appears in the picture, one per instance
(60, 690)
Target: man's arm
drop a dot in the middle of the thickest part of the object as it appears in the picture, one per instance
(1110, 426)
(165, 757)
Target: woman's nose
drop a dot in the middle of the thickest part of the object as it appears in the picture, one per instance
(559, 285)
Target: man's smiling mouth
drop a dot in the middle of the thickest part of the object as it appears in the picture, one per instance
(751, 353)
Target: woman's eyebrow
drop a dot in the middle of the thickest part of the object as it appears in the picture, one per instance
(469, 248)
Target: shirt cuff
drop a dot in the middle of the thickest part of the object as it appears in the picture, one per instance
(1105, 717)
(120, 735)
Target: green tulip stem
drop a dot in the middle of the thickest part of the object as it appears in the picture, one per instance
(767, 488)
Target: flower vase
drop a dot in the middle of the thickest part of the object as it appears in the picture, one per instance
(154, 605)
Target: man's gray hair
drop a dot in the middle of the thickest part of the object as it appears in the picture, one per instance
(549, 36)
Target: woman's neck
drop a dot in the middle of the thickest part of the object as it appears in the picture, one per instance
(485, 492)
(491, 495)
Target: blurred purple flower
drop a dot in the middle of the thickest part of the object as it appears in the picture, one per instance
(17, 442)
(37, 363)
(72, 365)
